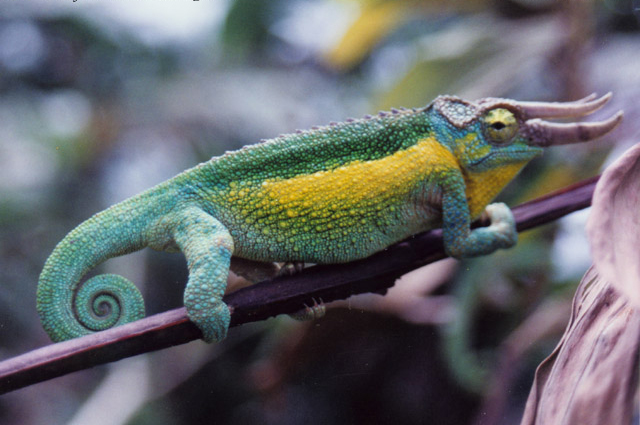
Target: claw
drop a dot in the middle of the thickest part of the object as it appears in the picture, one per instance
(290, 268)
(316, 311)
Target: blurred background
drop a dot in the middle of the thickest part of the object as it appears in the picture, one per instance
(101, 99)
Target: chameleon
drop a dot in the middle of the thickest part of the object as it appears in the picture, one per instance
(331, 194)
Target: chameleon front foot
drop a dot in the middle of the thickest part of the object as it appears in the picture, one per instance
(500, 234)
(503, 225)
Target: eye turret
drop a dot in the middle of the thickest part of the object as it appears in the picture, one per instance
(500, 126)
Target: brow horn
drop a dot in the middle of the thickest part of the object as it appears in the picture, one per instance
(576, 108)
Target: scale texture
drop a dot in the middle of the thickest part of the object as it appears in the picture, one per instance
(328, 195)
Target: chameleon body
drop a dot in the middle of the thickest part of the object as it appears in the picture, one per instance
(328, 195)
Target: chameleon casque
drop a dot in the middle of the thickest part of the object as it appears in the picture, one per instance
(332, 194)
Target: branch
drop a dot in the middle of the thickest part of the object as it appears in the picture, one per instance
(286, 294)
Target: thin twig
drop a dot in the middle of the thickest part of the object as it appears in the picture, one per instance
(286, 294)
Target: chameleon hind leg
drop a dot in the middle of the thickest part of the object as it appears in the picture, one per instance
(257, 271)
(252, 270)
(313, 312)
(208, 246)
(290, 268)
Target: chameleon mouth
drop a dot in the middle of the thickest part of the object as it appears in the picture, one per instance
(544, 133)
(512, 157)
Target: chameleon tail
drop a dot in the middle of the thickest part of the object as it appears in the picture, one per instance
(69, 308)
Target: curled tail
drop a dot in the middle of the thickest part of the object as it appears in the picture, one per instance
(69, 308)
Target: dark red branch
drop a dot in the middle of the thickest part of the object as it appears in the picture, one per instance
(266, 299)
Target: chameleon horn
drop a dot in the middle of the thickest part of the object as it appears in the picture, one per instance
(577, 108)
(543, 133)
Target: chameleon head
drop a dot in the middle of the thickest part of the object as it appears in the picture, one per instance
(494, 132)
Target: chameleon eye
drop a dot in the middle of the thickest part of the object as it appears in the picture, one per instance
(500, 126)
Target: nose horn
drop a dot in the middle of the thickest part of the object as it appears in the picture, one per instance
(542, 133)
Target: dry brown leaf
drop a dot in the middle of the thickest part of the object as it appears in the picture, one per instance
(592, 375)
(614, 225)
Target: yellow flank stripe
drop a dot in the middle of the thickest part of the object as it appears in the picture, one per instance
(359, 185)
(357, 190)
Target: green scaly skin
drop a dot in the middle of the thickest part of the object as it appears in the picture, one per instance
(329, 195)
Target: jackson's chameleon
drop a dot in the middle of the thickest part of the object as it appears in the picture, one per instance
(332, 194)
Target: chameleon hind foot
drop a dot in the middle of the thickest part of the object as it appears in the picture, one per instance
(316, 311)
(290, 268)
(207, 246)
(213, 321)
